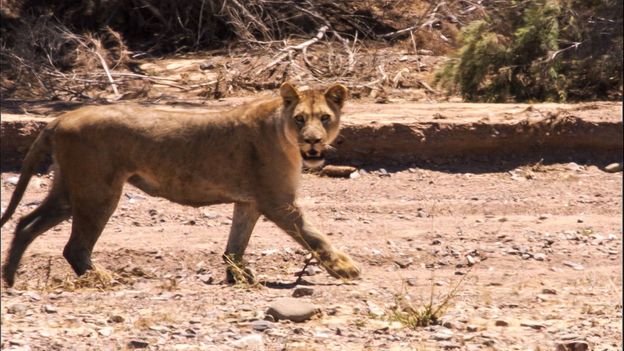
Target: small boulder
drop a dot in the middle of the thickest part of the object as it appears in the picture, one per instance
(294, 310)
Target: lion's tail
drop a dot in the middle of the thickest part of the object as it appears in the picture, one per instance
(38, 150)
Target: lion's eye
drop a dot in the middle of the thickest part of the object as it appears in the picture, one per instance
(299, 119)
(325, 119)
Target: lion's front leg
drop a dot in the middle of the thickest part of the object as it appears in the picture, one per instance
(291, 219)
(243, 222)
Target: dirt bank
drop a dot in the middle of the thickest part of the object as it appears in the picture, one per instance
(401, 133)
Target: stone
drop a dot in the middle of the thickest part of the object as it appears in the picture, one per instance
(577, 345)
(137, 344)
(442, 336)
(539, 256)
(573, 265)
(50, 309)
(107, 331)
(116, 319)
(32, 296)
(614, 168)
(472, 328)
(249, 342)
(12, 180)
(291, 309)
(501, 323)
(549, 291)
(17, 308)
(532, 324)
(302, 291)
(403, 262)
(261, 325)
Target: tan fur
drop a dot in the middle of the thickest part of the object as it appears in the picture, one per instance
(250, 156)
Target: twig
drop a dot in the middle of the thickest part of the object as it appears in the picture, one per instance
(108, 74)
(288, 51)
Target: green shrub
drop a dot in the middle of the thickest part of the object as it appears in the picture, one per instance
(539, 50)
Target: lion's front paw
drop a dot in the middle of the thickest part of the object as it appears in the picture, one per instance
(340, 265)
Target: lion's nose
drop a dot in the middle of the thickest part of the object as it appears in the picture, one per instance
(312, 140)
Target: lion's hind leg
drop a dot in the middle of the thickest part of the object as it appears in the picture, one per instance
(53, 210)
(90, 215)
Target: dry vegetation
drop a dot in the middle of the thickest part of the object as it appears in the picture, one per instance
(61, 51)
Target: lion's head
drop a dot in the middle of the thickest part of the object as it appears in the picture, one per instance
(312, 119)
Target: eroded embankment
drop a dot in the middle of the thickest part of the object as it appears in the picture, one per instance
(405, 139)
(555, 137)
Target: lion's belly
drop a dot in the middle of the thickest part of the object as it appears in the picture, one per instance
(189, 192)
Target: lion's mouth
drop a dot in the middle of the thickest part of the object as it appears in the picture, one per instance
(313, 158)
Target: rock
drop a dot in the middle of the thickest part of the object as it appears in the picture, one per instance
(206, 278)
(573, 265)
(403, 262)
(549, 291)
(261, 325)
(50, 309)
(17, 308)
(137, 344)
(107, 331)
(501, 323)
(116, 319)
(442, 335)
(338, 171)
(291, 309)
(249, 342)
(374, 310)
(412, 281)
(578, 345)
(539, 256)
(303, 291)
(12, 180)
(612, 168)
(532, 324)
(472, 328)
(543, 217)
(33, 296)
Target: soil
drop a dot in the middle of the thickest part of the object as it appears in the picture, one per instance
(535, 252)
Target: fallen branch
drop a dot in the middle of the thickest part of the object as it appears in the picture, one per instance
(290, 49)
(108, 74)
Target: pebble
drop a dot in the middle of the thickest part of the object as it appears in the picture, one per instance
(303, 291)
(12, 180)
(116, 319)
(501, 323)
(472, 328)
(573, 265)
(107, 331)
(403, 262)
(137, 344)
(33, 296)
(578, 345)
(374, 310)
(50, 309)
(442, 336)
(532, 324)
(17, 308)
(612, 168)
(549, 291)
(249, 342)
(261, 325)
(294, 310)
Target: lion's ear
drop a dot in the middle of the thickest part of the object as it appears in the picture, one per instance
(337, 94)
(289, 93)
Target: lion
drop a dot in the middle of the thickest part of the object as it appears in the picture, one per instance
(251, 156)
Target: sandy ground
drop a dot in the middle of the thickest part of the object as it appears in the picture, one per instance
(536, 251)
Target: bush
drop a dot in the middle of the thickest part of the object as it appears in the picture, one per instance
(540, 50)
